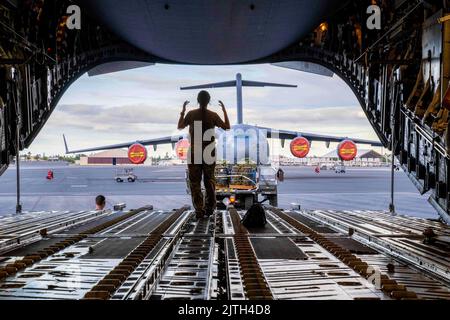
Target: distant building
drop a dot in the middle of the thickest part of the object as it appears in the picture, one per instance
(110, 157)
(364, 158)
(171, 162)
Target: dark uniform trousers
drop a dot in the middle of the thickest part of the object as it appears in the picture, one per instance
(196, 171)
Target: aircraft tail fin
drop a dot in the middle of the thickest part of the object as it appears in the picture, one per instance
(239, 83)
(65, 144)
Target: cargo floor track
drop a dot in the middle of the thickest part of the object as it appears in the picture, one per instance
(148, 254)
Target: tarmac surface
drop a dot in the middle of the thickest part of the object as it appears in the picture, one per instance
(75, 187)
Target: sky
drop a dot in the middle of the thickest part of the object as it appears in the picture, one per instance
(145, 103)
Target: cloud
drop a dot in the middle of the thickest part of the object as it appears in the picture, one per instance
(126, 117)
(121, 118)
(145, 103)
(134, 122)
(310, 117)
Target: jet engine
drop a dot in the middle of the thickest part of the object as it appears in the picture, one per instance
(137, 153)
(182, 149)
(300, 147)
(347, 150)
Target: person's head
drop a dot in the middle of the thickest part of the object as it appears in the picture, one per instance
(203, 98)
(100, 202)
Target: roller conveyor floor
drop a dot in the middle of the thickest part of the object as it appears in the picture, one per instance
(148, 254)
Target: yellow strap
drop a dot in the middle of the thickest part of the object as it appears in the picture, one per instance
(444, 19)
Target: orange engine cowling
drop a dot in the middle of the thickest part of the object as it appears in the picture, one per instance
(137, 153)
(300, 147)
(347, 150)
(182, 149)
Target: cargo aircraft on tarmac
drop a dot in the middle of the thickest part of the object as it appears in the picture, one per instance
(236, 144)
(244, 168)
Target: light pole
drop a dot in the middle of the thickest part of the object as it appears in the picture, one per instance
(18, 204)
(392, 205)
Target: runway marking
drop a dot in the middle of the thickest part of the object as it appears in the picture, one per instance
(79, 186)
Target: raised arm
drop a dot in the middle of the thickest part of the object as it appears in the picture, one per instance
(181, 122)
(226, 125)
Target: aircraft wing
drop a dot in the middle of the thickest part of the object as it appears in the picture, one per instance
(285, 134)
(149, 142)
